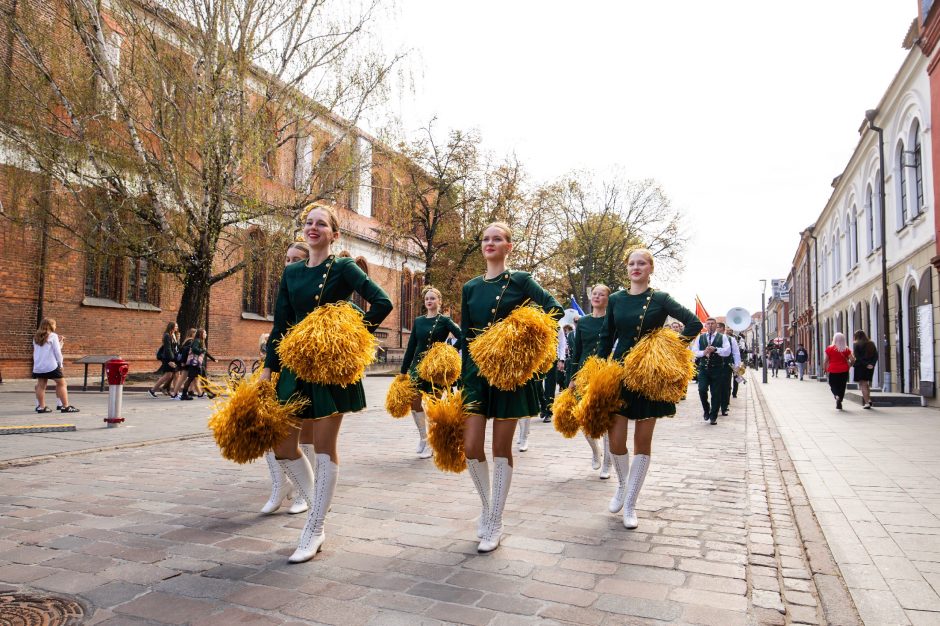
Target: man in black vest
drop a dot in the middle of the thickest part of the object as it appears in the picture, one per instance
(711, 350)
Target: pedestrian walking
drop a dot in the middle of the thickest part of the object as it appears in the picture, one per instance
(167, 357)
(775, 360)
(323, 279)
(554, 377)
(195, 359)
(432, 327)
(182, 355)
(486, 300)
(710, 351)
(729, 385)
(837, 361)
(585, 341)
(866, 358)
(281, 487)
(802, 356)
(48, 365)
(625, 308)
(789, 363)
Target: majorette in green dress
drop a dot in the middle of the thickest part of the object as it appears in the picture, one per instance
(485, 302)
(425, 333)
(630, 317)
(302, 289)
(583, 344)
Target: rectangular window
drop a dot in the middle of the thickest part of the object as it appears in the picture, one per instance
(100, 277)
(143, 283)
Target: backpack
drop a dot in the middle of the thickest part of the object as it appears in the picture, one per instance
(160, 354)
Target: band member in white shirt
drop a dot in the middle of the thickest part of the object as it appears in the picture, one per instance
(710, 350)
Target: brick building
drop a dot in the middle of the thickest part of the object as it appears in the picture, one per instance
(121, 305)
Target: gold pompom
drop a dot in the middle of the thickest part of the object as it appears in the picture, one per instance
(600, 399)
(590, 367)
(563, 414)
(516, 348)
(401, 394)
(446, 422)
(440, 365)
(660, 366)
(331, 346)
(247, 420)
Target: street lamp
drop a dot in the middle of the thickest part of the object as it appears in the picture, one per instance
(763, 329)
(870, 115)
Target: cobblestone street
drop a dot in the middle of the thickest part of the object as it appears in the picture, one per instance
(169, 533)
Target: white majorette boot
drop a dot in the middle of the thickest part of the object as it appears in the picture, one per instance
(622, 465)
(502, 478)
(313, 536)
(595, 453)
(280, 486)
(300, 504)
(480, 473)
(423, 450)
(641, 463)
(605, 465)
(524, 433)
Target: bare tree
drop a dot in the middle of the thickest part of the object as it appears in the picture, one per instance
(168, 124)
(602, 222)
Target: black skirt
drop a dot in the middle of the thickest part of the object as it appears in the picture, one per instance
(53, 375)
(862, 373)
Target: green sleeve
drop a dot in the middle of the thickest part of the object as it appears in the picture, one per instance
(410, 351)
(379, 303)
(693, 325)
(283, 311)
(464, 328)
(608, 336)
(576, 346)
(537, 294)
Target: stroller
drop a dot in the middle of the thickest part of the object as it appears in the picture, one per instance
(791, 368)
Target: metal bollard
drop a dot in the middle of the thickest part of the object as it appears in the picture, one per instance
(117, 373)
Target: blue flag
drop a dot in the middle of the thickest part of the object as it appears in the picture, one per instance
(574, 305)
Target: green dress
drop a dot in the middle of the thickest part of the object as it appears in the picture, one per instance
(630, 317)
(302, 290)
(484, 302)
(584, 345)
(426, 332)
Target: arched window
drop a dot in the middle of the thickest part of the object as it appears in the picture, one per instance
(853, 237)
(356, 298)
(918, 165)
(869, 220)
(417, 284)
(836, 261)
(902, 186)
(407, 300)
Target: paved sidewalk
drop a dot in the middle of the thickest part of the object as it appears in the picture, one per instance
(147, 419)
(169, 533)
(873, 480)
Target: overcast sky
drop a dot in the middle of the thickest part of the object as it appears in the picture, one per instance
(744, 111)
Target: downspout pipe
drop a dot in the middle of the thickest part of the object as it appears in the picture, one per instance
(885, 351)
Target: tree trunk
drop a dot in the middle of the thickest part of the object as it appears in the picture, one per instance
(192, 312)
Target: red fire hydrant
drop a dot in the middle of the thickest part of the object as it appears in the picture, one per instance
(116, 370)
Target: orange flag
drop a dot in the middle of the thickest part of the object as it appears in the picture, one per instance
(700, 311)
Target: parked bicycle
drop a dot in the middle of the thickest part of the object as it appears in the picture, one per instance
(237, 368)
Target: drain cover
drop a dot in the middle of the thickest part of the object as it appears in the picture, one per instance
(17, 609)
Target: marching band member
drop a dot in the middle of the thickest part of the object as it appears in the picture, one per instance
(583, 345)
(729, 384)
(631, 314)
(323, 279)
(486, 300)
(711, 349)
(428, 329)
(280, 486)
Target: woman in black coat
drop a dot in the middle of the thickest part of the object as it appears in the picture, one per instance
(866, 358)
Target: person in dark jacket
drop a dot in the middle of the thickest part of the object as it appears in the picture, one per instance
(802, 356)
(167, 355)
(194, 362)
(866, 358)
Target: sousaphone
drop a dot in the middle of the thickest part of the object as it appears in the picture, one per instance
(738, 319)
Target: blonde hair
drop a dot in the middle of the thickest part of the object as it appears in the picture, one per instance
(429, 289)
(503, 226)
(601, 286)
(645, 252)
(46, 328)
(330, 214)
(300, 245)
(838, 340)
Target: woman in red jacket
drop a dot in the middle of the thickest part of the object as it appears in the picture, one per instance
(837, 361)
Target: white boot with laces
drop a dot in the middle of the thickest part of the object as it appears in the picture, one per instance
(300, 504)
(480, 474)
(313, 535)
(280, 486)
(502, 478)
(606, 463)
(622, 465)
(595, 452)
(641, 463)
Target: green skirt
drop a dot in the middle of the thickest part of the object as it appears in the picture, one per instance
(488, 401)
(636, 406)
(324, 400)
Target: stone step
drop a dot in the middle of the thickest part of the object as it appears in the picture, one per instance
(882, 399)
